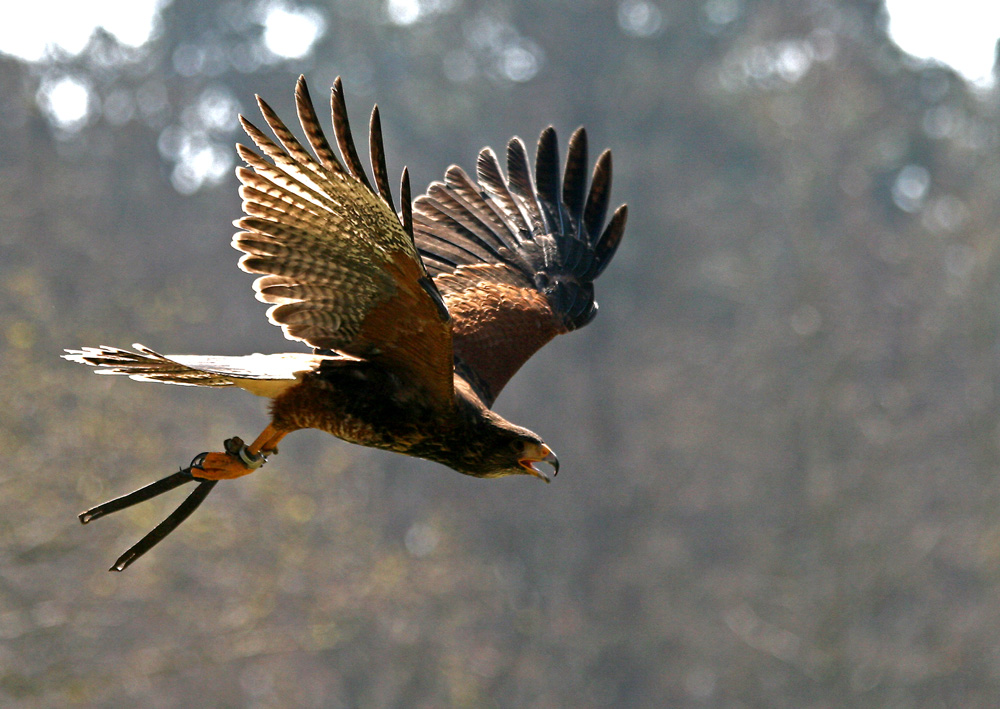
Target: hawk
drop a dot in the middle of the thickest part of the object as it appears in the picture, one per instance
(416, 319)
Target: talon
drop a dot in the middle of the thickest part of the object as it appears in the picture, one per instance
(222, 466)
(196, 462)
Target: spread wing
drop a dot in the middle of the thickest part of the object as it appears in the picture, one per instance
(515, 258)
(338, 266)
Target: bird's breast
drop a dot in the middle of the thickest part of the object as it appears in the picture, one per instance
(363, 405)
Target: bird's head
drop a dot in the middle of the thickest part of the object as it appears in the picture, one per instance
(500, 449)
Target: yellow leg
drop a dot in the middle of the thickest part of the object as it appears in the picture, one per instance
(224, 466)
(267, 441)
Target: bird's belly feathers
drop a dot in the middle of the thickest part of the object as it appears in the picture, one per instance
(362, 405)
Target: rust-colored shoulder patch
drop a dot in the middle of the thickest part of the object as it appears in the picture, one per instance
(497, 327)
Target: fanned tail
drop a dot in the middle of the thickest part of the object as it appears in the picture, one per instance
(265, 375)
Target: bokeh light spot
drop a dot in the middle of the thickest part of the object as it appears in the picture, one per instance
(291, 33)
(640, 18)
(66, 101)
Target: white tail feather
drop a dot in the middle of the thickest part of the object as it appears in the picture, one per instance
(264, 375)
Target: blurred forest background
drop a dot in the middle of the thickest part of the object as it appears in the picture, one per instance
(779, 438)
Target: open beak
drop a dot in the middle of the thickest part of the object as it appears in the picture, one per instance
(539, 453)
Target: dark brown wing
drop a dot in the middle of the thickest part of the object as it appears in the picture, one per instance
(515, 258)
(338, 265)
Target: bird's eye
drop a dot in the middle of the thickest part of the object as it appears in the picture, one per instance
(517, 446)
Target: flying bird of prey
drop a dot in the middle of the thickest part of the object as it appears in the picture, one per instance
(416, 319)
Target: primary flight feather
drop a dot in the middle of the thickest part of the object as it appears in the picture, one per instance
(416, 319)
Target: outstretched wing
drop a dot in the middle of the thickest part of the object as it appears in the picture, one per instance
(338, 266)
(515, 258)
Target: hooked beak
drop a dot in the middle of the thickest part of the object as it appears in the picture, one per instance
(539, 453)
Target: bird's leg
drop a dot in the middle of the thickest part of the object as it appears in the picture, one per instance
(239, 459)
